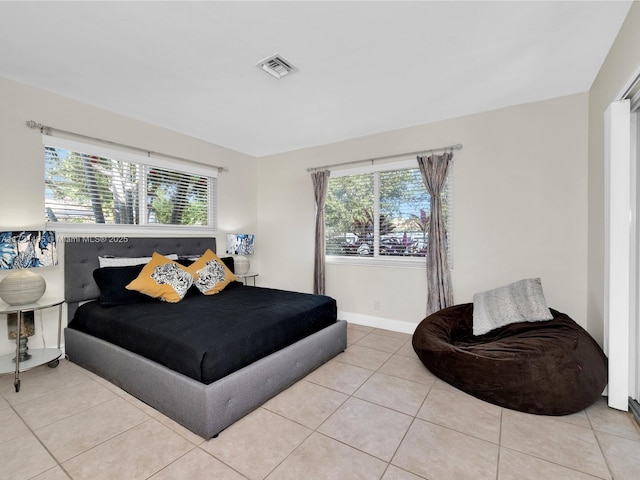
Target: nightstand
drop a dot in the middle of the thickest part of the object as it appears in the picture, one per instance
(245, 277)
(11, 363)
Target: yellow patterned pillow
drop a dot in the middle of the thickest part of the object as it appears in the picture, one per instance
(162, 278)
(210, 274)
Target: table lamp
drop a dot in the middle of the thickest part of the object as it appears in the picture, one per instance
(20, 252)
(239, 245)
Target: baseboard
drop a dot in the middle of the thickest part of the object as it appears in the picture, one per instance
(634, 408)
(378, 322)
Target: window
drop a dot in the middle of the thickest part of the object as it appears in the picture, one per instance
(88, 187)
(379, 212)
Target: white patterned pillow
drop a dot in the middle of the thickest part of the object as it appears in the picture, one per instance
(521, 301)
(210, 274)
(162, 278)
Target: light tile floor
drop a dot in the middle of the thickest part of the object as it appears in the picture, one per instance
(373, 412)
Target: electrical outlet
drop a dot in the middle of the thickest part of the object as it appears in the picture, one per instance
(376, 304)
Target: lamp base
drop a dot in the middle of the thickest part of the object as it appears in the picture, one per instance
(23, 350)
(241, 264)
(22, 287)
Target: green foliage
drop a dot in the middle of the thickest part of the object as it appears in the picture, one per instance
(404, 207)
(350, 202)
(348, 198)
(402, 193)
(169, 205)
(104, 190)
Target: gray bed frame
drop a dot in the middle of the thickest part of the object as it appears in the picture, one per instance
(204, 409)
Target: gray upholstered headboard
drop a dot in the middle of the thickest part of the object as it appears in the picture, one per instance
(81, 259)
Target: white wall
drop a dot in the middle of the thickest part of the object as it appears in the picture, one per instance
(520, 207)
(22, 178)
(520, 210)
(621, 62)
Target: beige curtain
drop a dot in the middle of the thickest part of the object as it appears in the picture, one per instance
(434, 169)
(320, 185)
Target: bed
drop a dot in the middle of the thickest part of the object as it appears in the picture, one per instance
(232, 378)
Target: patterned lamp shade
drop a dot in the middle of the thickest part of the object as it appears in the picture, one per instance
(20, 251)
(239, 245)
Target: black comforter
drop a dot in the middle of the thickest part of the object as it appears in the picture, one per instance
(209, 337)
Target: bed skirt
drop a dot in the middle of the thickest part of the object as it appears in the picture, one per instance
(205, 409)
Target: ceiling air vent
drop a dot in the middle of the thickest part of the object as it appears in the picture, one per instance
(276, 65)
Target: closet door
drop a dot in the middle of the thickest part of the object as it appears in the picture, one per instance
(622, 247)
(620, 258)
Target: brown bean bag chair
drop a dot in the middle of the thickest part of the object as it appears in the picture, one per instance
(552, 367)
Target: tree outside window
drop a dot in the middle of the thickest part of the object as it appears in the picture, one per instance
(379, 214)
(88, 189)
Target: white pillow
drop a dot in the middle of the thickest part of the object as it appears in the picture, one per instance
(128, 261)
(521, 301)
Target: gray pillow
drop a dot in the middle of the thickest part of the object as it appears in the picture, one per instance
(521, 301)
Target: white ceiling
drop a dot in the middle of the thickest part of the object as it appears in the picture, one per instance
(364, 67)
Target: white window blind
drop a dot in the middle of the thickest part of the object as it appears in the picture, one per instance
(379, 212)
(92, 185)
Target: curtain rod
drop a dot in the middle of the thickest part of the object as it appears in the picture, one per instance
(457, 146)
(46, 130)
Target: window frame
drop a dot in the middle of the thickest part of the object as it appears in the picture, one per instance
(388, 260)
(147, 161)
